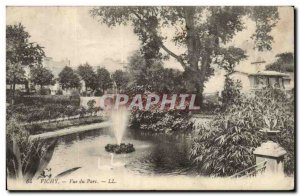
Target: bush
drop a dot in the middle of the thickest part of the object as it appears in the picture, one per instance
(29, 113)
(26, 159)
(231, 93)
(225, 146)
(98, 93)
(166, 122)
(59, 92)
(45, 99)
(44, 91)
(91, 106)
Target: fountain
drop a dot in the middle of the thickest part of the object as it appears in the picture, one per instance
(119, 119)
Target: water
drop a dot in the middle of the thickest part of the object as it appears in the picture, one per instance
(154, 155)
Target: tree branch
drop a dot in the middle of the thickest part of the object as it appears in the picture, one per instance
(177, 57)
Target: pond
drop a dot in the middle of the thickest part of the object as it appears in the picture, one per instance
(154, 154)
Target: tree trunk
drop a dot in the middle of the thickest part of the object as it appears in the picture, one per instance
(194, 48)
(13, 91)
(27, 87)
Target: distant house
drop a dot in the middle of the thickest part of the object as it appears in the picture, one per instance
(253, 75)
(257, 80)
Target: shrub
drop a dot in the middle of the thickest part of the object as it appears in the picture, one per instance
(231, 93)
(27, 159)
(166, 122)
(59, 92)
(44, 91)
(225, 146)
(44, 99)
(98, 93)
(81, 111)
(41, 111)
(24, 158)
(91, 106)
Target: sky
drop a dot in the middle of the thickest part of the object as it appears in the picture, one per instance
(70, 32)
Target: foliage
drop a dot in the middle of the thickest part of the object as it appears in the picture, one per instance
(41, 76)
(228, 58)
(44, 91)
(143, 77)
(121, 79)
(49, 99)
(98, 93)
(75, 95)
(41, 112)
(19, 54)
(140, 73)
(119, 149)
(68, 79)
(91, 105)
(88, 75)
(202, 33)
(26, 159)
(35, 108)
(225, 146)
(104, 79)
(59, 92)
(19, 51)
(164, 122)
(284, 63)
(231, 93)
(211, 104)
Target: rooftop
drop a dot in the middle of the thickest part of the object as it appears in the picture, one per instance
(262, 73)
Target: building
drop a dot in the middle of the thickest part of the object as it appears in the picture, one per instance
(253, 75)
(257, 80)
(257, 77)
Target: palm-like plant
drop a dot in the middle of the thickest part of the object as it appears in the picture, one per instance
(27, 159)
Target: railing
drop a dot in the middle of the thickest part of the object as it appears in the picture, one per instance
(251, 171)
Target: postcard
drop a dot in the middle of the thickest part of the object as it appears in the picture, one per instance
(150, 98)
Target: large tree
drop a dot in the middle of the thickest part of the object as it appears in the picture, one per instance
(20, 53)
(203, 32)
(283, 63)
(41, 76)
(88, 75)
(68, 79)
(104, 79)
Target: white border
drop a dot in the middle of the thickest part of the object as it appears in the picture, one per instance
(5, 3)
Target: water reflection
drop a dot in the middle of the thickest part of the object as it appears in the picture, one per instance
(155, 154)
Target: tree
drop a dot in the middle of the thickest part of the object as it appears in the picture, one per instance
(202, 31)
(143, 76)
(229, 58)
(68, 78)
(121, 79)
(41, 76)
(284, 63)
(231, 93)
(88, 75)
(152, 77)
(104, 79)
(19, 54)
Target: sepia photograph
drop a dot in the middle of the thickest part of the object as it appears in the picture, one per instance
(150, 98)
